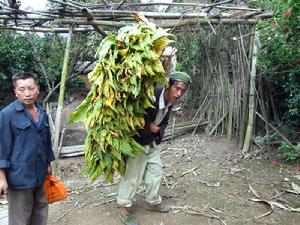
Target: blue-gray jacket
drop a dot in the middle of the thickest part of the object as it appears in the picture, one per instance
(25, 148)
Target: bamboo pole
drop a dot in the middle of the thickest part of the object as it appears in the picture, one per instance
(165, 24)
(217, 4)
(217, 124)
(251, 114)
(92, 22)
(61, 98)
(204, 101)
(230, 114)
(201, 117)
(23, 17)
(48, 29)
(245, 98)
(128, 13)
(65, 3)
(244, 115)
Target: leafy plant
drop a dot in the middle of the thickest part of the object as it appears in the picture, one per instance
(289, 152)
(122, 88)
(266, 138)
(278, 60)
(2, 77)
(15, 54)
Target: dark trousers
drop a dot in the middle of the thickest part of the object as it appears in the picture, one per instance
(27, 207)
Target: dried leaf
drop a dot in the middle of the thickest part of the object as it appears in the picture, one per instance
(253, 191)
(296, 188)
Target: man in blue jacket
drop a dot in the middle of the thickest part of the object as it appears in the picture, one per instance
(25, 153)
(147, 166)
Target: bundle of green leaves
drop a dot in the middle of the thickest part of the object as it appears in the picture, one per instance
(122, 88)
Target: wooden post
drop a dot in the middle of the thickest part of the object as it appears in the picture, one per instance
(61, 99)
(249, 131)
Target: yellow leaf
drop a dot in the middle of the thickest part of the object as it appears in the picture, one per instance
(160, 44)
(123, 52)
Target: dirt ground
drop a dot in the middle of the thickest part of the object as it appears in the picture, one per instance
(207, 181)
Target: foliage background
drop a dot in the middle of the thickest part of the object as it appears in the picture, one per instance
(279, 59)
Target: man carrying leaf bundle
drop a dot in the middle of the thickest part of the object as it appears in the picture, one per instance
(147, 165)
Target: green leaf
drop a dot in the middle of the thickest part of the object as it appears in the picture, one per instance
(136, 146)
(160, 32)
(80, 114)
(126, 148)
(105, 46)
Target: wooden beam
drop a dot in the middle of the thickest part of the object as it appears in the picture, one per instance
(181, 128)
(93, 22)
(149, 14)
(47, 29)
(185, 22)
(89, 16)
(65, 4)
(164, 24)
(178, 4)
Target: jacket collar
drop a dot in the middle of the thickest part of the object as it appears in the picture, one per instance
(162, 103)
(20, 107)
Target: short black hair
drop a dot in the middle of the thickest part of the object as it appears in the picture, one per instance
(23, 76)
(172, 81)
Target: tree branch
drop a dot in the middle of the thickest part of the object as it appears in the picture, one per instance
(89, 16)
(45, 100)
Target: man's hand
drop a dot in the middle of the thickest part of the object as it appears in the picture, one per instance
(3, 183)
(154, 128)
(49, 169)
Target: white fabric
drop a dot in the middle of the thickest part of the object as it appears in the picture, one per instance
(163, 108)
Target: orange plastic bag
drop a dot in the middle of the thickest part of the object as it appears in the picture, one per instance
(54, 189)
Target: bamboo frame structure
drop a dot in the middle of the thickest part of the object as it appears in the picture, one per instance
(104, 17)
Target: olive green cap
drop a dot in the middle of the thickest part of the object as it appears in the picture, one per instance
(180, 76)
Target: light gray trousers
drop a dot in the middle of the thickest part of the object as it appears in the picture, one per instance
(145, 166)
(27, 207)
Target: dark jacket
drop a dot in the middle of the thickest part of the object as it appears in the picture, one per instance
(145, 137)
(25, 148)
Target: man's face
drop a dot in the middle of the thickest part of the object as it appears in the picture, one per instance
(177, 90)
(26, 91)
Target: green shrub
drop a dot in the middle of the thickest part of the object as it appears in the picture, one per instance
(289, 152)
